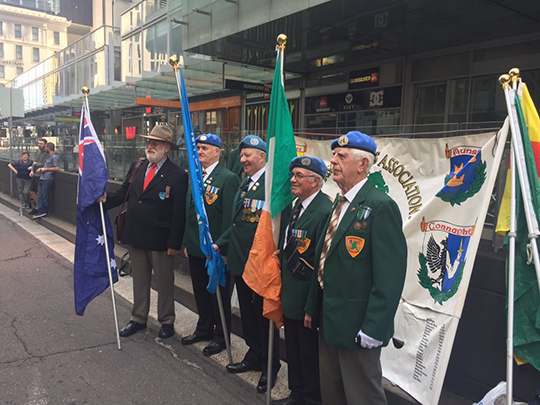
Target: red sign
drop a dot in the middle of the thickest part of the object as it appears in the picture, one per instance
(130, 132)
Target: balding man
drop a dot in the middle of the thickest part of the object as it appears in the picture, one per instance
(154, 228)
(236, 243)
(360, 266)
(220, 186)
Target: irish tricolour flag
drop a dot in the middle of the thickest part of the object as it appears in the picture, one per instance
(262, 272)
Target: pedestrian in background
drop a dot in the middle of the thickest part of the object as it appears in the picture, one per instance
(39, 159)
(46, 181)
(22, 169)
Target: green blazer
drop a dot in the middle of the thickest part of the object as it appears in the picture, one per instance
(295, 288)
(364, 273)
(218, 203)
(236, 241)
(233, 162)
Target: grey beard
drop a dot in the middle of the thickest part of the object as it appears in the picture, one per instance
(156, 157)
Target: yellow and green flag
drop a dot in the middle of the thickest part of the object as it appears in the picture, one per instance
(527, 295)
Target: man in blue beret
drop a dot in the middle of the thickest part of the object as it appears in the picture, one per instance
(298, 241)
(235, 243)
(220, 186)
(361, 265)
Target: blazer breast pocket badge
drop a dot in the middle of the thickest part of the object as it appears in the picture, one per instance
(302, 241)
(165, 194)
(354, 245)
(211, 194)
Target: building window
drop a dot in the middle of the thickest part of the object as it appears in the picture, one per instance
(2, 72)
(18, 31)
(56, 38)
(36, 54)
(18, 52)
(20, 70)
(35, 34)
(1, 50)
(1, 28)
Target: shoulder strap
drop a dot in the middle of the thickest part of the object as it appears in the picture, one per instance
(133, 173)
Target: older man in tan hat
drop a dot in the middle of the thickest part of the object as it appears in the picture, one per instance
(156, 191)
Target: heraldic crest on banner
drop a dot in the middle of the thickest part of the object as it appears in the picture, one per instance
(466, 177)
(443, 258)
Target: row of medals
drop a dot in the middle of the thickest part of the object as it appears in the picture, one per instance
(249, 215)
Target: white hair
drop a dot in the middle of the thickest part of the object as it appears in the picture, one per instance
(359, 154)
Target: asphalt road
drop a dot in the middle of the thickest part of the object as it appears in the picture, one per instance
(49, 355)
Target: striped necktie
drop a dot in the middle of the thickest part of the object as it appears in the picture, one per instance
(330, 232)
(293, 256)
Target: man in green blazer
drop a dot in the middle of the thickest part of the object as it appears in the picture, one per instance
(298, 241)
(361, 265)
(235, 244)
(220, 186)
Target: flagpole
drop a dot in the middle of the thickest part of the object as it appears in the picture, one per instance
(85, 90)
(517, 142)
(281, 42)
(173, 60)
(504, 79)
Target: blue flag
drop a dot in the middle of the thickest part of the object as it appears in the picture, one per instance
(91, 275)
(215, 265)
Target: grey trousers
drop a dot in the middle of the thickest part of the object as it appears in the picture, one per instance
(142, 262)
(350, 377)
(23, 187)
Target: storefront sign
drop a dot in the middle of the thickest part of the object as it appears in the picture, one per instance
(154, 102)
(360, 79)
(247, 86)
(216, 104)
(15, 62)
(389, 97)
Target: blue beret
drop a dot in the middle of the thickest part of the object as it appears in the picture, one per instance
(356, 140)
(209, 139)
(314, 164)
(252, 141)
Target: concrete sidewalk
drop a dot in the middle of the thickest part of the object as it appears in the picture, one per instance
(48, 229)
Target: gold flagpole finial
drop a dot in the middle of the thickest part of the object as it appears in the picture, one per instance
(85, 91)
(281, 41)
(505, 80)
(173, 60)
(514, 74)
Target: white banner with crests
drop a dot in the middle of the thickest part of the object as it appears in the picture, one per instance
(443, 187)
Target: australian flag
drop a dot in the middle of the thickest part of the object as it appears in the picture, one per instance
(215, 265)
(91, 274)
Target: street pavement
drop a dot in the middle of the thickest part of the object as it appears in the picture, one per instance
(49, 355)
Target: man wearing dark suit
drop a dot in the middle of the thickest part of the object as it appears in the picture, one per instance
(220, 186)
(361, 264)
(299, 241)
(154, 229)
(236, 243)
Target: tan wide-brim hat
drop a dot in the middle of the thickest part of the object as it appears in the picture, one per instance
(163, 134)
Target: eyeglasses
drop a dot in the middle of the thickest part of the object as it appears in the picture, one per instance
(153, 144)
(300, 176)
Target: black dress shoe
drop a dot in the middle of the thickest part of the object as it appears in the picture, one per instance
(166, 331)
(189, 340)
(288, 401)
(262, 386)
(131, 328)
(213, 348)
(242, 367)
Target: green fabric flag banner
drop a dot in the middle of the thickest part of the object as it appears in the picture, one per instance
(527, 295)
(281, 144)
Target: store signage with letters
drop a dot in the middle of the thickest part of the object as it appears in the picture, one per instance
(361, 79)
